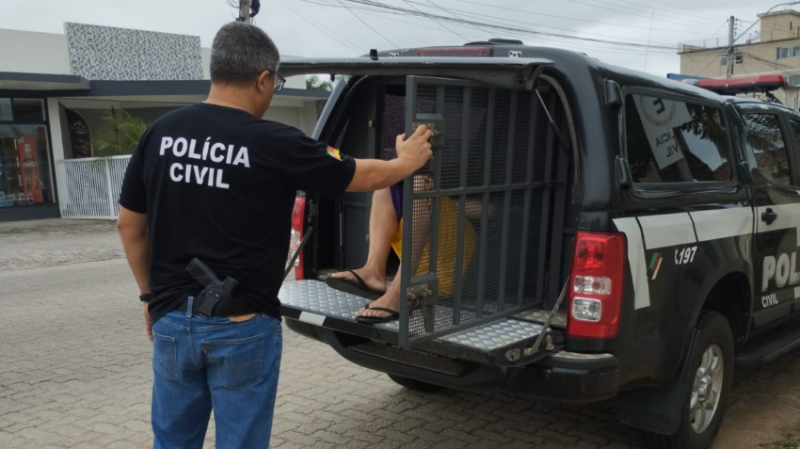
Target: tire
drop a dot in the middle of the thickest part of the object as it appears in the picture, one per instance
(715, 339)
(415, 385)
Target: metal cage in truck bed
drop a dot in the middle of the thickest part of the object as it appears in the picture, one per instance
(477, 284)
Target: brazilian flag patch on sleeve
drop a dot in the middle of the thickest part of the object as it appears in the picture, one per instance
(334, 153)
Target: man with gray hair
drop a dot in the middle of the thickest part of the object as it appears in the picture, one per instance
(213, 185)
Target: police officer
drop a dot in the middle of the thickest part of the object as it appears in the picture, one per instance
(216, 183)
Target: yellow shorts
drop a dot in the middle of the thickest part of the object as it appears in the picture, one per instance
(448, 246)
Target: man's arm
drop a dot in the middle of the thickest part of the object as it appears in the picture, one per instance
(133, 232)
(375, 174)
(412, 154)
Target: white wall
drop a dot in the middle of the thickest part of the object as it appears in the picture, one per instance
(29, 52)
(286, 115)
(205, 54)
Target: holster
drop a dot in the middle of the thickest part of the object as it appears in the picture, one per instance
(215, 293)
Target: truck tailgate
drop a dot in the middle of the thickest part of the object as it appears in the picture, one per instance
(503, 342)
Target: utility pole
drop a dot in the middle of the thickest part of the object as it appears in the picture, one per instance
(244, 11)
(731, 55)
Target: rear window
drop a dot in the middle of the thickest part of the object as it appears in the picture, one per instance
(675, 141)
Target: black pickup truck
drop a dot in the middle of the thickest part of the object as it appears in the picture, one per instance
(642, 239)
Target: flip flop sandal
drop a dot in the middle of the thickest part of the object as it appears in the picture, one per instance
(393, 315)
(359, 289)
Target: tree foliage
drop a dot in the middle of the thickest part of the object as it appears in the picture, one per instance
(315, 83)
(120, 135)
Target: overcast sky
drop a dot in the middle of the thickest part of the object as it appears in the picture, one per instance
(297, 25)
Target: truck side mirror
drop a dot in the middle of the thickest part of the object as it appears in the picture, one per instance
(613, 94)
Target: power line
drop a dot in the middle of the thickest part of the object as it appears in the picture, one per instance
(763, 25)
(436, 22)
(499, 22)
(453, 14)
(649, 35)
(368, 25)
(688, 53)
(577, 19)
(713, 59)
(577, 47)
(383, 16)
(666, 13)
(504, 21)
(581, 47)
(681, 18)
(684, 10)
(321, 29)
(581, 43)
(628, 12)
(506, 28)
(766, 61)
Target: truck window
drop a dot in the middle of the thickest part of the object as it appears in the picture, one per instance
(675, 141)
(766, 145)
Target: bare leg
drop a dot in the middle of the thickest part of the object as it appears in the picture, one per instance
(421, 229)
(382, 229)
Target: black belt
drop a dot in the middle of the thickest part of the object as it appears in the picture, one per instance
(230, 307)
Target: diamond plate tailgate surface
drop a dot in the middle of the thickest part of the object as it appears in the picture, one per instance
(540, 316)
(494, 335)
(318, 298)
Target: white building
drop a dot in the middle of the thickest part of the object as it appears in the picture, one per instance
(56, 91)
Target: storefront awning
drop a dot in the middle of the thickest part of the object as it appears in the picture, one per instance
(77, 86)
(42, 82)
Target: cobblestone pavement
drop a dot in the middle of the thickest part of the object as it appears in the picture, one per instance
(44, 243)
(75, 373)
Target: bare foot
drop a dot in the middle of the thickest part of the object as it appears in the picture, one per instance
(370, 277)
(391, 301)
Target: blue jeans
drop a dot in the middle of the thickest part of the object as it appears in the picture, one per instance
(205, 363)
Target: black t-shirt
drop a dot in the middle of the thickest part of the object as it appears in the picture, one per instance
(219, 184)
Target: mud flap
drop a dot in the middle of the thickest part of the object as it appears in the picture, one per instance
(657, 409)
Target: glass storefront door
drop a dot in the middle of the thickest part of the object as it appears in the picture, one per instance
(24, 154)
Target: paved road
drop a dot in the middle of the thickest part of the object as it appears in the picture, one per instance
(75, 373)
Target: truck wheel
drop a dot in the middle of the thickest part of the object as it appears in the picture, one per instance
(707, 391)
(415, 385)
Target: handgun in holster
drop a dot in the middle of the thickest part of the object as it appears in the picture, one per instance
(215, 291)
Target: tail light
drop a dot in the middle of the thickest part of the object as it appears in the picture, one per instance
(298, 215)
(596, 285)
(456, 51)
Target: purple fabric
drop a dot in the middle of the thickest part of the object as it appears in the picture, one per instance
(397, 199)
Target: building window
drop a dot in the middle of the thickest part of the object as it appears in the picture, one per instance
(24, 153)
(675, 141)
(738, 58)
(5, 110)
(787, 52)
(28, 110)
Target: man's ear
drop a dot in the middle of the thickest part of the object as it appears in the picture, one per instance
(264, 81)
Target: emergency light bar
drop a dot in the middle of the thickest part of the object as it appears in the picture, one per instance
(749, 84)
